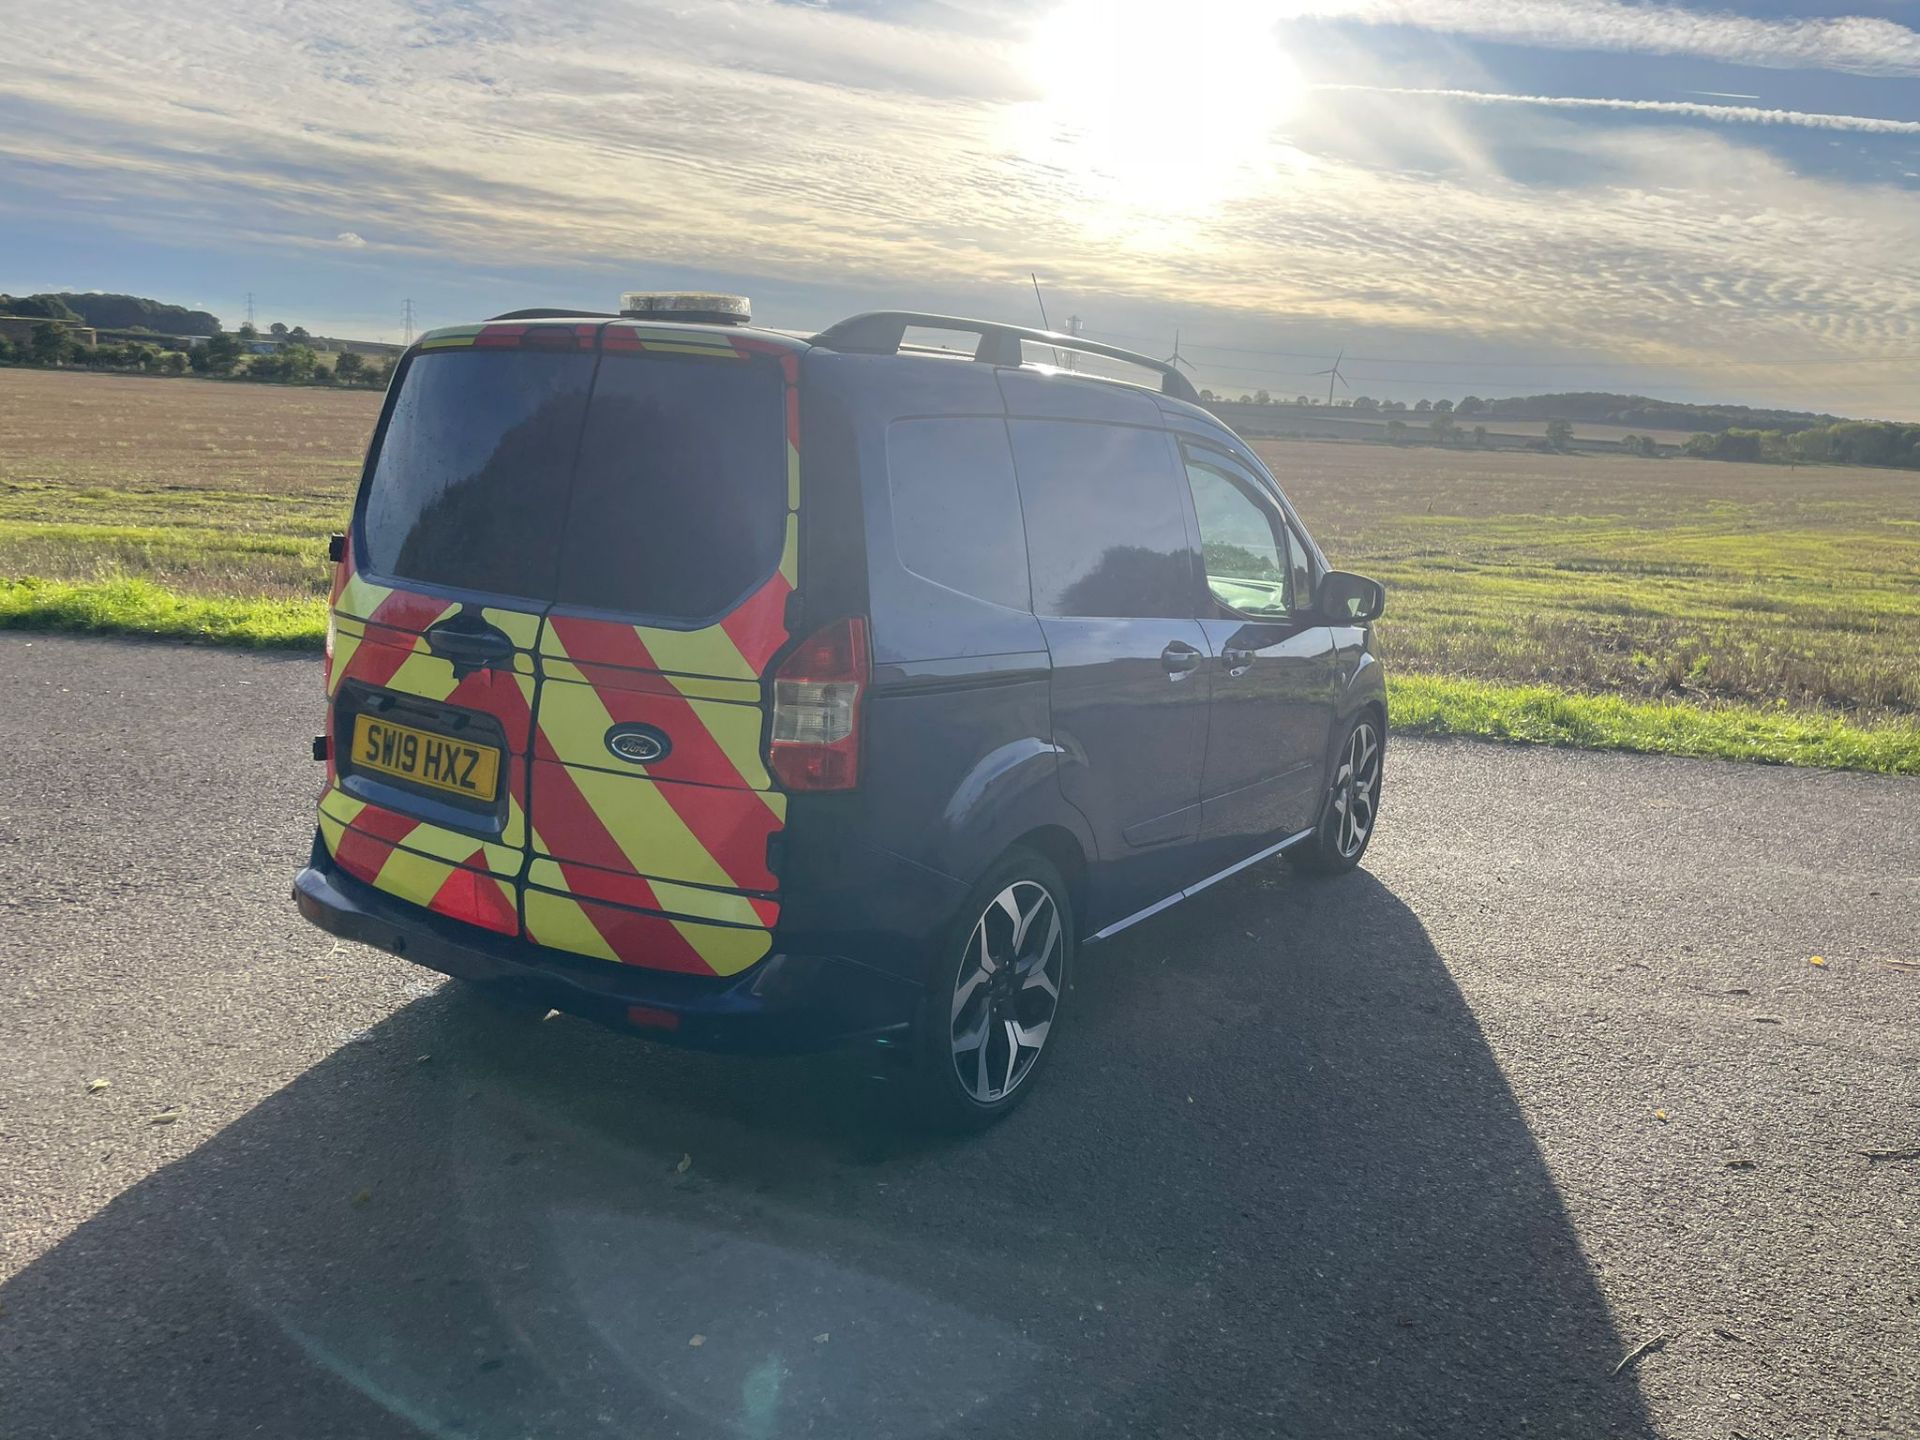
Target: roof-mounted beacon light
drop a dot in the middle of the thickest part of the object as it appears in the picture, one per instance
(691, 306)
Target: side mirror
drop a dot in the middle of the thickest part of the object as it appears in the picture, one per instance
(1343, 598)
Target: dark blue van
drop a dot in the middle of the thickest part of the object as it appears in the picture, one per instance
(760, 693)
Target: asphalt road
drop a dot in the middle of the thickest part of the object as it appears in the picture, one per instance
(1372, 1157)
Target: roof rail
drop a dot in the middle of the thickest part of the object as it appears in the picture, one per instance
(880, 332)
(552, 315)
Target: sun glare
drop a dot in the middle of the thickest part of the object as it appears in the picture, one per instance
(1164, 107)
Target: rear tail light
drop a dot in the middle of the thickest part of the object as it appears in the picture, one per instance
(816, 708)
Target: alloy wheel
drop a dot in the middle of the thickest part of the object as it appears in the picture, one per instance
(1007, 991)
(1356, 791)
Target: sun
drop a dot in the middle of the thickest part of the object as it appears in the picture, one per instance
(1168, 107)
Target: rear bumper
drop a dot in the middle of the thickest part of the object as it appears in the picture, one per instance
(787, 1002)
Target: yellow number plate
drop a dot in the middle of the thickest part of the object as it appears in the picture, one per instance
(425, 758)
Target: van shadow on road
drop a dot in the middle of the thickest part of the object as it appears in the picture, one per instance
(1275, 1185)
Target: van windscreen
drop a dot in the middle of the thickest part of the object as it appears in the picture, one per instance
(657, 488)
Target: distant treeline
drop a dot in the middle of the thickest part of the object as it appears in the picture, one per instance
(112, 312)
(54, 345)
(1599, 407)
(1847, 442)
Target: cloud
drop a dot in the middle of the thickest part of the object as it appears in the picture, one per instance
(349, 239)
(1856, 44)
(1720, 114)
(822, 152)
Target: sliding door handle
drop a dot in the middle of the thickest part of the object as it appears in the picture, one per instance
(1180, 659)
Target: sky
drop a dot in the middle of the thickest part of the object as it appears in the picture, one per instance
(1462, 196)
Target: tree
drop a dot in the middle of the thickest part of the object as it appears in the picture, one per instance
(1480, 436)
(1207, 397)
(298, 362)
(277, 330)
(1246, 399)
(1261, 397)
(176, 362)
(349, 368)
(1442, 427)
(39, 307)
(1396, 430)
(1301, 400)
(1472, 405)
(1443, 407)
(299, 335)
(6, 351)
(1422, 406)
(49, 344)
(1559, 433)
(1366, 404)
(247, 332)
(1393, 404)
(222, 353)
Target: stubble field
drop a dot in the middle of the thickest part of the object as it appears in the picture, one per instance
(1692, 606)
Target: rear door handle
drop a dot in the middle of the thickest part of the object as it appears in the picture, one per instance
(1237, 661)
(1180, 659)
(469, 649)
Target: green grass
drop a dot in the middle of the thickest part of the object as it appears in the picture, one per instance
(130, 606)
(1541, 715)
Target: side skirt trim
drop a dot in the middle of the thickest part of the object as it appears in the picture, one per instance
(1196, 887)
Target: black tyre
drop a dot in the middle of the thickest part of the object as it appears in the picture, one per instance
(994, 995)
(1352, 806)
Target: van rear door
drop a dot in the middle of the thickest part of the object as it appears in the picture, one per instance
(568, 574)
(653, 816)
(436, 614)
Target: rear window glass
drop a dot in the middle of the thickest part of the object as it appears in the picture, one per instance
(1106, 522)
(470, 486)
(666, 497)
(680, 505)
(956, 510)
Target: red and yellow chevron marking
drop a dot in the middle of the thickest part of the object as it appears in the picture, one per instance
(460, 891)
(635, 937)
(645, 866)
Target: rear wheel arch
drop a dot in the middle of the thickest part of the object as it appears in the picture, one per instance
(1060, 848)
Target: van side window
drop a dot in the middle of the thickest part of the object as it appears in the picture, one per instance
(956, 509)
(1106, 528)
(1244, 543)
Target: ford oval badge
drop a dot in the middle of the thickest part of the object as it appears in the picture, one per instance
(639, 744)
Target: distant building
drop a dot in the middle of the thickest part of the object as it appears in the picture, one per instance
(18, 329)
(149, 337)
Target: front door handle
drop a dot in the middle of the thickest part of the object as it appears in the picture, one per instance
(1238, 662)
(1180, 659)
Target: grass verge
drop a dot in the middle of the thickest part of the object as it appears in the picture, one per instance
(1541, 715)
(1421, 704)
(139, 607)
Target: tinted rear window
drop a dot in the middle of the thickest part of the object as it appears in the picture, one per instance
(680, 505)
(665, 497)
(1106, 523)
(956, 511)
(470, 486)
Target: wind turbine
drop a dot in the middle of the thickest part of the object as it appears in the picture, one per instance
(1333, 373)
(1176, 358)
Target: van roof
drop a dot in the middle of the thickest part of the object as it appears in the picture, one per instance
(514, 323)
(875, 332)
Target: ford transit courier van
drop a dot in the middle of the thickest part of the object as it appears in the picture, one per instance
(763, 693)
